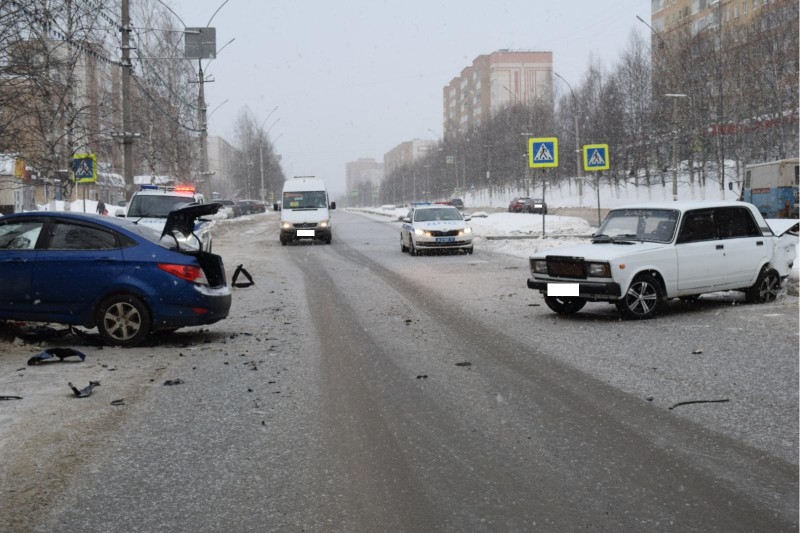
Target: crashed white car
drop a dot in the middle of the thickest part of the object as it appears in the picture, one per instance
(435, 227)
(643, 255)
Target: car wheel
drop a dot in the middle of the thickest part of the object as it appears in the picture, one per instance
(564, 305)
(643, 299)
(403, 247)
(412, 250)
(123, 320)
(765, 289)
(469, 250)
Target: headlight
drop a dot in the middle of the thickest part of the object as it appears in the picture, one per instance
(286, 225)
(324, 224)
(466, 231)
(598, 270)
(419, 232)
(539, 266)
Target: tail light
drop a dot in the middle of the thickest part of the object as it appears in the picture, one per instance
(191, 273)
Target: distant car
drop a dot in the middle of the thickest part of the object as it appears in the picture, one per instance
(250, 207)
(645, 254)
(435, 227)
(458, 203)
(123, 278)
(534, 205)
(517, 204)
(227, 207)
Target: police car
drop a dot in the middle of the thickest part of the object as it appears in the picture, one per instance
(435, 227)
(151, 205)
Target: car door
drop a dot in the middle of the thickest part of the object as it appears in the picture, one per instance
(699, 259)
(76, 266)
(18, 253)
(744, 248)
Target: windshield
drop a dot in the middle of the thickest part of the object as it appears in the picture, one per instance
(427, 215)
(158, 206)
(305, 200)
(650, 225)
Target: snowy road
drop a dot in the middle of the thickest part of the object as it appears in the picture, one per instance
(355, 388)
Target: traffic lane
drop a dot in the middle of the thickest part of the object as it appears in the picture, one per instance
(748, 352)
(514, 438)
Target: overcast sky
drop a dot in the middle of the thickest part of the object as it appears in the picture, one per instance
(354, 78)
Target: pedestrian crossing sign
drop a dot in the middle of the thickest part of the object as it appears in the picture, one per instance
(595, 157)
(543, 152)
(84, 168)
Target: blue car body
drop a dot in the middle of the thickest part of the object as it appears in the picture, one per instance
(46, 277)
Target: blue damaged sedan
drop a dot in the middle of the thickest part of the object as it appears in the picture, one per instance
(127, 280)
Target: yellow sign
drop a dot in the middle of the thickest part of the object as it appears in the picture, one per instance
(595, 157)
(20, 170)
(84, 168)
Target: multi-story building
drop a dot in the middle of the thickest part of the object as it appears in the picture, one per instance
(406, 153)
(494, 81)
(701, 15)
(363, 171)
(221, 159)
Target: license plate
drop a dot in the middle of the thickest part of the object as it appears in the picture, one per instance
(563, 289)
(445, 239)
(305, 233)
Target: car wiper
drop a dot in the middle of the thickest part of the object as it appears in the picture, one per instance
(602, 238)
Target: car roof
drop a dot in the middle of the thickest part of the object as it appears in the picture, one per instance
(433, 206)
(685, 205)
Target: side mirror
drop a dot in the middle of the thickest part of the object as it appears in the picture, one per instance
(407, 220)
(276, 207)
(119, 213)
(467, 218)
(333, 205)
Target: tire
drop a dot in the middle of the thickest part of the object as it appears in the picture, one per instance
(765, 289)
(642, 300)
(403, 247)
(469, 250)
(412, 250)
(564, 305)
(123, 320)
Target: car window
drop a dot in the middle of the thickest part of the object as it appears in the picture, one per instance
(19, 235)
(304, 200)
(67, 236)
(654, 225)
(697, 226)
(427, 215)
(735, 222)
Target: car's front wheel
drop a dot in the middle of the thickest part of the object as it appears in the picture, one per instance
(765, 289)
(123, 320)
(412, 250)
(564, 305)
(403, 247)
(642, 300)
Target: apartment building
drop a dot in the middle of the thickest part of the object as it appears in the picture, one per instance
(364, 170)
(406, 153)
(670, 15)
(494, 81)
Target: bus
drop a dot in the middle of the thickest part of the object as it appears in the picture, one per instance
(772, 187)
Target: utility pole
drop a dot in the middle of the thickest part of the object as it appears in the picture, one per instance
(127, 135)
(201, 118)
(675, 143)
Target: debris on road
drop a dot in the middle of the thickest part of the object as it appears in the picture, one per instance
(240, 270)
(85, 392)
(424, 376)
(698, 351)
(61, 353)
(10, 397)
(698, 401)
(170, 382)
(465, 363)
(118, 402)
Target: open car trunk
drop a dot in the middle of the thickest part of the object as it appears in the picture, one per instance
(179, 229)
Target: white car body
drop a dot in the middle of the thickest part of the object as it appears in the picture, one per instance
(710, 247)
(151, 205)
(435, 227)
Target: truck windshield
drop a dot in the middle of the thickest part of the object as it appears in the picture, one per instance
(156, 205)
(305, 200)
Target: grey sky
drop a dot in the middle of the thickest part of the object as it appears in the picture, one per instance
(355, 78)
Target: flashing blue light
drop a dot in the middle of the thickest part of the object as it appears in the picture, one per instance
(148, 187)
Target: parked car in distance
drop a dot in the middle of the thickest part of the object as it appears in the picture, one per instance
(228, 208)
(458, 203)
(435, 227)
(517, 204)
(123, 278)
(250, 207)
(535, 205)
(643, 255)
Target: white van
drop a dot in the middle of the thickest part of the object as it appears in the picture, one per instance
(305, 210)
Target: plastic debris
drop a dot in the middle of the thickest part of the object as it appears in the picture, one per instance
(465, 363)
(173, 382)
(85, 392)
(118, 402)
(698, 351)
(50, 353)
(10, 397)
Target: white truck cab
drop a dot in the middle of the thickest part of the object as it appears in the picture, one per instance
(305, 210)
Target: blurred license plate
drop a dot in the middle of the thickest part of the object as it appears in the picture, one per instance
(445, 239)
(563, 289)
(305, 233)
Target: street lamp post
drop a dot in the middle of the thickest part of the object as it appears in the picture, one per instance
(675, 98)
(577, 140)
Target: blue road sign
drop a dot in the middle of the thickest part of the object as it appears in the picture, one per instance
(595, 157)
(543, 152)
(84, 168)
